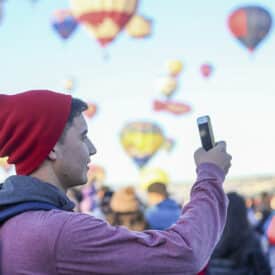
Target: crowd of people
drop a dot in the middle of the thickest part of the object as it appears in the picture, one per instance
(246, 246)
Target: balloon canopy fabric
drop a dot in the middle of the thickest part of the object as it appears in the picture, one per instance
(69, 85)
(139, 27)
(91, 111)
(104, 18)
(141, 140)
(174, 67)
(206, 70)
(250, 25)
(168, 85)
(64, 23)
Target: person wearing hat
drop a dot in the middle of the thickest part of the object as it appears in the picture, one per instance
(44, 134)
(126, 210)
(163, 210)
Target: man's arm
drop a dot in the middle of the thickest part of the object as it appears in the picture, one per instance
(90, 246)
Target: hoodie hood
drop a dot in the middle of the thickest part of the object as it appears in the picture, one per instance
(22, 189)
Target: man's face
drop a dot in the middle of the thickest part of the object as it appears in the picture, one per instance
(73, 155)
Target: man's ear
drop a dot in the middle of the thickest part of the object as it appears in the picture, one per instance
(52, 155)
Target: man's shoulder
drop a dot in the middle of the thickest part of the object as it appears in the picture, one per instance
(40, 218)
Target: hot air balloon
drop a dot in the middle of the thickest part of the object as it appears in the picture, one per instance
(250, 25)
(149, 176)
(173, 107)
(206, 70)
(141, 140)
(69, 84)
(91, 111)
(2, 2)
(64, 23)
(167, 85)
(139, 27)
(174, 67)
(104, 18)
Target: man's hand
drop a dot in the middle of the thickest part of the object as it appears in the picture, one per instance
(217, 155)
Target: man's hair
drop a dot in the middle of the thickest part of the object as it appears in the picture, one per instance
(77, 107)
(159, 188)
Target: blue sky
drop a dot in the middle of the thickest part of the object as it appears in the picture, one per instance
(239, 96)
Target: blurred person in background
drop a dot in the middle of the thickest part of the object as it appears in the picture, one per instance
(126, 210)
(239, 250)
(251, 211)
(104, 195)
(163, 211)
(45, 135)
(265, 210)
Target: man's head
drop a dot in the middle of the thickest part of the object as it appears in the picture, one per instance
(43, 129)
(157, 192)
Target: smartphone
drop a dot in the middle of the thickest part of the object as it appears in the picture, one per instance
(206, 132)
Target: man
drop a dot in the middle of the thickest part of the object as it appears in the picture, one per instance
(45, 135)
(163, 211)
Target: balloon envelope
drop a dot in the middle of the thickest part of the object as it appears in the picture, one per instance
(141, 140)
(91, 111)
(64, 23)
(250, 25)
(174, 67)
(104, 18)
(139, 27)
(206, 70)
(167, 85)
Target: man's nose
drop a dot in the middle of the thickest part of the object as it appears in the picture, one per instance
(92, 149)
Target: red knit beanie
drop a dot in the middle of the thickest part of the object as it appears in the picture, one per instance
(31, 124)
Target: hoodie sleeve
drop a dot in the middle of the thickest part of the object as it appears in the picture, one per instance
(87, 245)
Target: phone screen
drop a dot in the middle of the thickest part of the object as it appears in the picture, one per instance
(206, 133)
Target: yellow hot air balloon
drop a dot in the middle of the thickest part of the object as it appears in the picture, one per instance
(104, 18)
(151, 175)
(174, 67)
(141, 140)
(139, 27)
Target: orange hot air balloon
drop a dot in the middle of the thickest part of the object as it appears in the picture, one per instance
(91, 111)
(104, 18)
(139, 27)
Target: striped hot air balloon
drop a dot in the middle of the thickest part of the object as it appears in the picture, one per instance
(104, 18)
(141, 140)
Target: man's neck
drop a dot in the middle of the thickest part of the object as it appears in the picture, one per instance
(48, 177)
